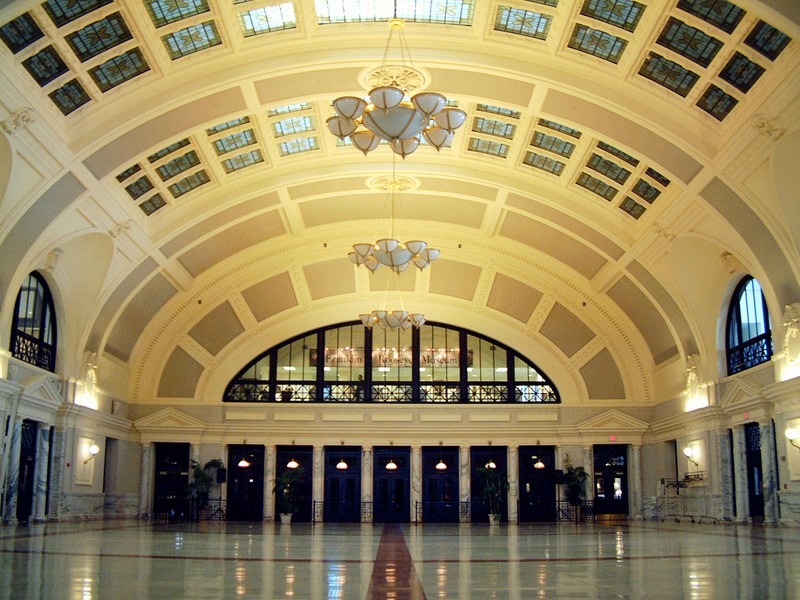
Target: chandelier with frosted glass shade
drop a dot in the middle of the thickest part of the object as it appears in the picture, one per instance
(389, 114)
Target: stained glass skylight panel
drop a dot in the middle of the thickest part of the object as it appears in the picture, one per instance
(608, 168)
(164, 12)
(293, 125)
(719, 13)
(189, 183)
(20, 33)
(633, 208)
(192, 39)
(494, 127)
(522, 22)
(544, 163)
(227, 125)
(45, 66)
(298, 146)
(168, 150)
(767, 40)
(656, 176)
(646, 191)
(448, 12)
(559, 127)
(98, 37)
(69, 96)
(290, 108)
(234, 141)
(178, 165)
(741, 72)
(553, 144)
(668, 73)
(606, 147)
(152, 204)
(596, 186)
(689, 41)
(489, 147)
(64, 11)
(119, 69)
(622, 13)
(140, 187)
(498, 110)
(267, 18)
(597, 43)
(717, 102)
(241, 161)
(128, 172)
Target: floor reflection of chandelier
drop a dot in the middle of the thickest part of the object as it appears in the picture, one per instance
(390, 115)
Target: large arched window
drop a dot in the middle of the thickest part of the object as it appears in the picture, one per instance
(33, 330)
(749, 331)
(350, 363)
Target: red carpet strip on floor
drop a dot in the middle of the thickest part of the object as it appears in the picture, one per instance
(393, 575)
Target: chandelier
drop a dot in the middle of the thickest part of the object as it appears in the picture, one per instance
(390, 251)
(389, 115)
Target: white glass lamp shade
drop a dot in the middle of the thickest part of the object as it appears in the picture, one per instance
(450, 118)
(401, 122)
(396, 318)
(350, 107)
(404, 147)
(386, 97)
(364, 140)
(416, 246)
(391, 253)
(416, 319)
(340, 126)
(363, 249)
(429, 103)
(426, 257)
(438, 137)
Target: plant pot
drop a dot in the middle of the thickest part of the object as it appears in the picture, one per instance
(286, 518)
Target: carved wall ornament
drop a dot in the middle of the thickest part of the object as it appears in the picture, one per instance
(791, 337)
(768, 128)
(19, 118)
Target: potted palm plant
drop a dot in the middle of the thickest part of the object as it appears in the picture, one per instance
(289, 492)
(574, 488)
(495, 490)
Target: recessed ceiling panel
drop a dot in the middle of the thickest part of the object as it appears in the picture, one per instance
(232, 240)
(566, 330)
(330, 278)
(453, 278)
(602, 377)
(217, 328)
(217, 220)
(137, 314)
(271, 296)
(646, 317)
(180, 375)
(513, 297)
(555, 243)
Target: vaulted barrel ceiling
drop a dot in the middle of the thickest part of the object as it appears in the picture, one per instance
(592, 212)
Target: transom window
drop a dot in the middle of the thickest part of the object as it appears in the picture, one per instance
(749, 339)
(350, 363)
(33, 330)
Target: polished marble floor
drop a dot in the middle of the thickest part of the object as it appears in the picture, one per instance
(124, 560)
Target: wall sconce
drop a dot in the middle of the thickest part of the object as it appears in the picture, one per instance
(792, 434)
(94, 450)
(688, 452)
